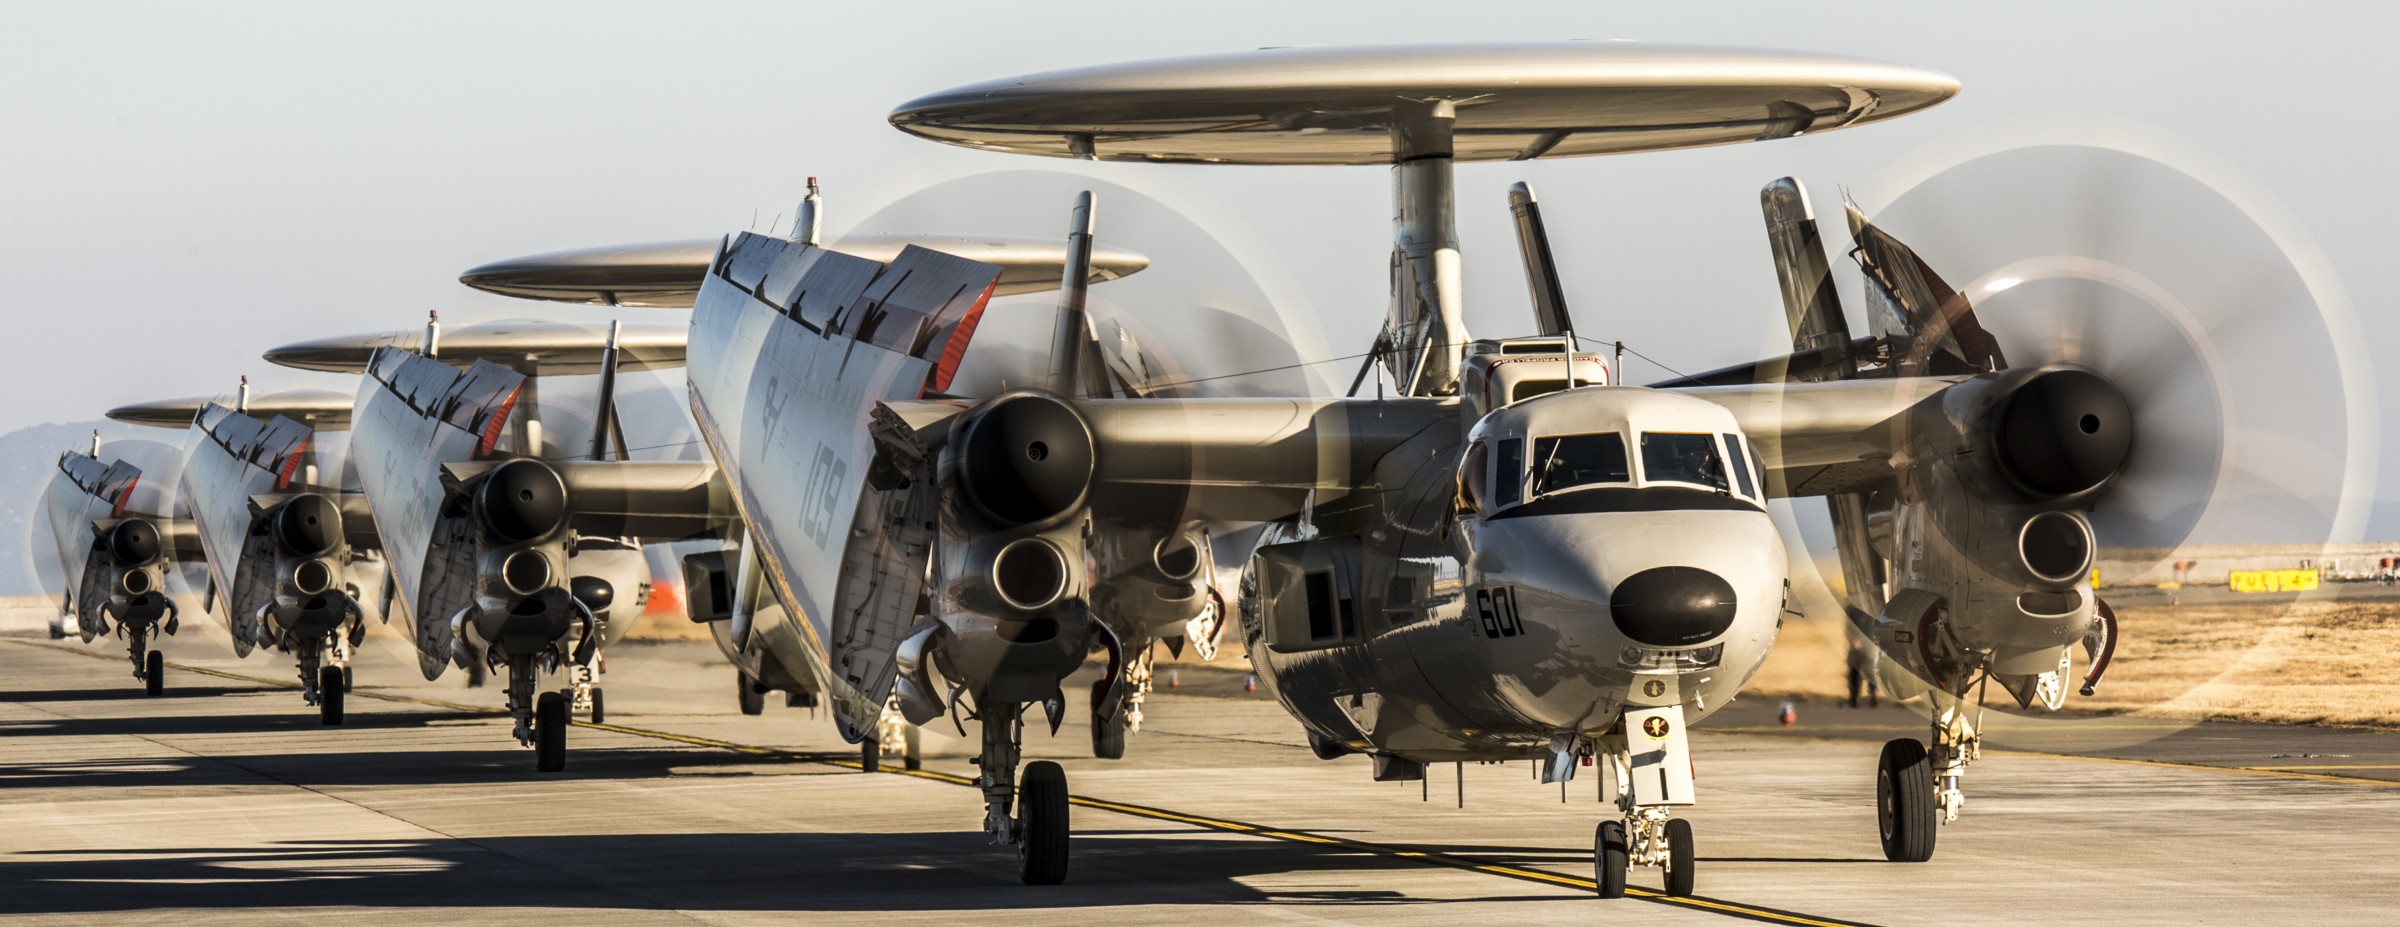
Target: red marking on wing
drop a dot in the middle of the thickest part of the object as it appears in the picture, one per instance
(497, 423)
(291, 463)
(956, 349)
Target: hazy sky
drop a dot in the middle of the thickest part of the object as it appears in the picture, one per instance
(185, 184)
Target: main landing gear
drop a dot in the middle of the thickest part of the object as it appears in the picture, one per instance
(1126, 689)
(1652, 768)
(1038, 826)
(1916, 789)
(541, 722)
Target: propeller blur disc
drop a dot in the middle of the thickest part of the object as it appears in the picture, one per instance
(2141, 271)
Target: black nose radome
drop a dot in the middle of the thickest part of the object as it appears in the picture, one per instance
(1672, 606)
(2064, 431)
(595, 593)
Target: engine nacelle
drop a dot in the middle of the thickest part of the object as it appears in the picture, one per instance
(1989, 521)
(1012, 564)
(135, 558)
(1150, 580)
(523, 603)
(312, 556)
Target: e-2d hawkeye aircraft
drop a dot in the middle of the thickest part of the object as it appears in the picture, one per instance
(844, 649)
(1514, 557)
(119, 543)
(291, 546)
(510, 546)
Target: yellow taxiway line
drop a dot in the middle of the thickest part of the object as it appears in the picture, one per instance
(1717, 906)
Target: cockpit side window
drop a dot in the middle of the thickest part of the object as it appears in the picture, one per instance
(1565, 461)
(1508, 473)
(1741, 466)
(1474, 478)
(1676, 457)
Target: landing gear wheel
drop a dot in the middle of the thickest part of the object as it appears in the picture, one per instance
(550, 732)
(1108, 740)
(870, 755)
(1042, 824)
(1904, 801)
(1680, 859)
(754, 702)
(329, 695)
(154, 673)
(599, 714)
(1610, 859)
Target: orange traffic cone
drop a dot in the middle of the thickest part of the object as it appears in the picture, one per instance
(1250, 683)
(1174, 679)
(1788, 715)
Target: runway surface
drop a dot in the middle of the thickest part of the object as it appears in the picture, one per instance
(226, 801)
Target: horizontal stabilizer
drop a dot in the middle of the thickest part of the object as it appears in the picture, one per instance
(668, 273)
(322, 409)
(530, 348)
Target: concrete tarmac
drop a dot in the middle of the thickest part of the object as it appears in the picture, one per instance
(227, 802)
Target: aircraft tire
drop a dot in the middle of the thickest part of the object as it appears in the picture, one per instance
(1108, 740)
(1681, 860)
(1610, 859)
(599, 711)
(329, 695)
(550, 732)
(754, 702)
(154, 674)
(1042, 824)
(870, 755)
(1904, 801)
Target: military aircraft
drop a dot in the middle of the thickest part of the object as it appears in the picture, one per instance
(119, 543)
(291, 545)
(847, 655)
(508, 545)
(1513, 556)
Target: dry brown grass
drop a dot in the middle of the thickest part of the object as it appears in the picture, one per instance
(659, 625)
(2308, 663)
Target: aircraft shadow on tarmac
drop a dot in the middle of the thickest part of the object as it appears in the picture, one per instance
(300, 718)
(131, 690)
(493, 759)
(712, 871)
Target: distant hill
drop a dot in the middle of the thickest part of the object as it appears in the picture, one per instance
(28, 456)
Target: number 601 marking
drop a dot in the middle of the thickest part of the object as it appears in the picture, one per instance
(1496, 609)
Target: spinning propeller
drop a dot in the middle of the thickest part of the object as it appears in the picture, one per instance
(2243, 404)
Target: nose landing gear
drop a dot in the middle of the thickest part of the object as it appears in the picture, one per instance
(1652, 768)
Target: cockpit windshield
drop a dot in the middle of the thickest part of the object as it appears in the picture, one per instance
(1567, 461)
(1674, 457)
